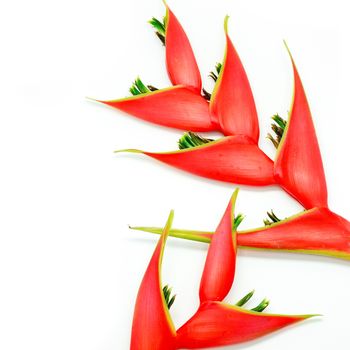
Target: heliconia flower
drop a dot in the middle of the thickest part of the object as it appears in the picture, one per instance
(298, 165)
(176, 107)
(181, 106)
(232, 103)
(215, 323)
(220, 265)
(298, 169)
(316, 231)
(235, 159)
(152, 327)
(185, 105)
(180, 60)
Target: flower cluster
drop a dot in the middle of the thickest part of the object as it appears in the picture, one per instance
(235, 158)
(215, 323)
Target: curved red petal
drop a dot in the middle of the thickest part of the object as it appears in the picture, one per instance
(234, 159)
(220, 265)
(180, 60)
(152, 327)
(298, 167)
(217, 324)
(317, 231)
(176, 107)
(232, 103)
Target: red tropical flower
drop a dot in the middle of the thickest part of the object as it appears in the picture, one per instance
(215, 322)
(298, 169)
(185, 105)
(152, 326)
(298, 166)
(181, 106)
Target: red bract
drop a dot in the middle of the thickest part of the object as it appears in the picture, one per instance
(220, 265)
(232, 109)
(298, 166)
(298, 169)
(232, 103)
(180, 60)
(235, 159)
(176, 107)
(152, 328)
(317, 231)
(215, 323)
(182, 106)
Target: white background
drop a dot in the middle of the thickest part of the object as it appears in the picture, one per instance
(69, 266)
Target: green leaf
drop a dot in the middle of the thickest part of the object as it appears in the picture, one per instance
(134, 91)
(237, 220)
(280, 121)
(169, 300)
(190, 140)
(218, 67)
(245, 299)
(278, 128)
(272, 218)
(159, 27)
(214, 75)
(262, 306)
(141, 86)
(138, 87)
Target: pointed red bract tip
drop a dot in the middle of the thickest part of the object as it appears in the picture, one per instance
(232, 103)
(220, 265)
(234, 159)
(299, 167)
(217, 324)
(152, 327)
(176, 107)
(317, 231)
(180, 60)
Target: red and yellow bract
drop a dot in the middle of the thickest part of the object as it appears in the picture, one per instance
(215, 322)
